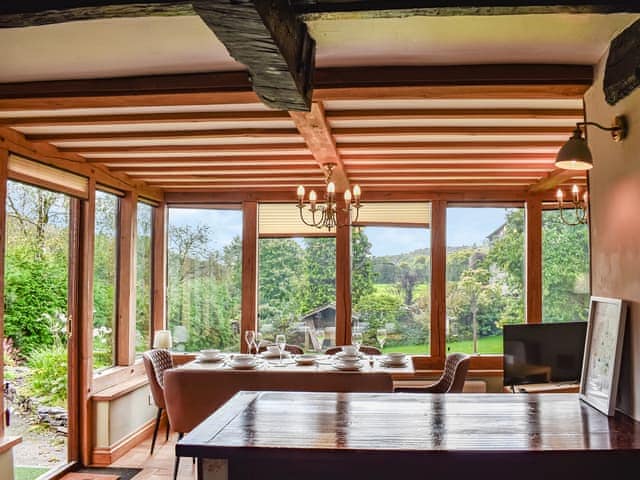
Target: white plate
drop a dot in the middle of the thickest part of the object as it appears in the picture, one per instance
(348, 368)
(206, 360)
(342, 354)
(267, 354)
(394, 364)
(306, 361)
(243, 366)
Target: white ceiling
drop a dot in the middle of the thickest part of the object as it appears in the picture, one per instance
(166, 45)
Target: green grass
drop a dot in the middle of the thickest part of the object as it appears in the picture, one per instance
(486, 345)
(28, 473)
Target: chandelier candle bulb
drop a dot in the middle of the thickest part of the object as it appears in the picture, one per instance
(576, 191)
(300, 193)
(347, 196)
(313, 197)
(559, 195)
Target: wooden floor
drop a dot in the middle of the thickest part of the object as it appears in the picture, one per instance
(158, 466)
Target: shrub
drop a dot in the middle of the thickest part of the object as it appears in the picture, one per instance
(48, 376)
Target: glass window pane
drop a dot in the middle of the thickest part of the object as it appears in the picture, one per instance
(104, 279)
(204, 280)
(565, 270)
(485, 276)
(390, 287)
(297, 290)
(143, 276)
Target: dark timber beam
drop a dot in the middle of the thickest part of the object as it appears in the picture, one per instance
(466, 81)
(317, 9)
(272, 42)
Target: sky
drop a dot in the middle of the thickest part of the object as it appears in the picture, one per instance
(465, 226)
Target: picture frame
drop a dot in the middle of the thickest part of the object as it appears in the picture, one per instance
(602, 353)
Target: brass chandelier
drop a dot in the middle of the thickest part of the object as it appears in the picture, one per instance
(324, 214)
(579, 205)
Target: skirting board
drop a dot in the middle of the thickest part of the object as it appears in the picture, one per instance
(102, 457)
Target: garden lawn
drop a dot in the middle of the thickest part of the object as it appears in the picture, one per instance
(486, 345)
(28, 472)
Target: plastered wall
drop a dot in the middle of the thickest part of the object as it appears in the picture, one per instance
(615, 223)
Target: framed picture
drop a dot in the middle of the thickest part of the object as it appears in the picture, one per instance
(602, 353)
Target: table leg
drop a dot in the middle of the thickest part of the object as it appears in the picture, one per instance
(213, 469)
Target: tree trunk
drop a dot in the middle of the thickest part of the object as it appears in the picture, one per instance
(474, 324)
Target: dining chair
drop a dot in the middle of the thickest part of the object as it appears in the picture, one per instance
(366, 349)
(452, 379)
(294, 349)
(156, 361)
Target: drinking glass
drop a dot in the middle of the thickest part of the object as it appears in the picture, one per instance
(281, 342)
(356, 340)
(381, 336)
(320, 338)
(250, 338)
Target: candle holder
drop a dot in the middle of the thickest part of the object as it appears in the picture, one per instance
(579, 205)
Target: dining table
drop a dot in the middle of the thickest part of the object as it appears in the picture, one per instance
(321, 363)
(269, 435)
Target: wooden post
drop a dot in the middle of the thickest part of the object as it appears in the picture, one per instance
(533, 266)
(159, 270)
(438, 279)
(4, 159)
(85, 319)
(343, 280)
(249, 270)
(126, 304)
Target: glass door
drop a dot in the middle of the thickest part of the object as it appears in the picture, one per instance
(36, 327)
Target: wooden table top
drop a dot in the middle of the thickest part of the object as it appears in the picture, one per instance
(403, 422)
(325, 363)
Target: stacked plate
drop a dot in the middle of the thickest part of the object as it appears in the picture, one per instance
(243, 362)
(395, 359)
(210, 355)
(348, 363)
(274, 355)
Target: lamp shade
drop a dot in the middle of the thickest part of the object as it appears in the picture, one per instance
(575, 154)
(162, 339)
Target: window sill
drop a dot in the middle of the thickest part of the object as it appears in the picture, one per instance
(116, 376)
(7, 443)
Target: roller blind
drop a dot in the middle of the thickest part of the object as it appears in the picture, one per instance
(32, 172)
(283, 219)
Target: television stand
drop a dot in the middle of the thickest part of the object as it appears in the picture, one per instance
(560, 387)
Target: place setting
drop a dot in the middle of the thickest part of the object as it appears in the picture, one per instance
(243, 361)
(211, 355)
(394, 360)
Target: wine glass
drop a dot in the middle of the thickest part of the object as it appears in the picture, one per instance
(281, 342)
(320, 337)
(250, 338)
(381, 336)
(356, 340)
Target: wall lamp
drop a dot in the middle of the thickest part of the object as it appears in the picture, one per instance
(575, 154)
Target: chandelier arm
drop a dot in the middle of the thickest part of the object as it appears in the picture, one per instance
(304, 220)
(564, 220)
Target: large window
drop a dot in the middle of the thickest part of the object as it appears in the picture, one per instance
(144, 220)
(204, 277)
(297, 290)
(105, 279)
(390, 286)
(485, 276)
(565, 269)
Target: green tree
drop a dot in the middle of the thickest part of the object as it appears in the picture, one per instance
(363, 276)
(319, 272)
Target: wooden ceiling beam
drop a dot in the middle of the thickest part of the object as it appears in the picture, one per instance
(391, 159)
(446, 146)
(230, 169)
(315, 130)
(555, 178)
(452, 130)
(248, 149)
(336, 9)
(216, 161)
(143, 118)
(166, 135)
(466, 82)
(272, 42)
(570, 114)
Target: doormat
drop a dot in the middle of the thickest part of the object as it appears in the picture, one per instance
(102, 473)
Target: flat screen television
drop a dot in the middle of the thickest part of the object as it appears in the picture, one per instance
(543, 352)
